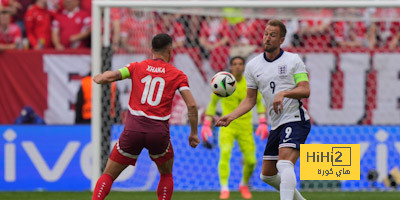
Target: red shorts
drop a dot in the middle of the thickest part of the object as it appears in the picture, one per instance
(139, 133)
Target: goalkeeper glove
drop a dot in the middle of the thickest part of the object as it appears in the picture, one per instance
(206, 130)
(262, 129)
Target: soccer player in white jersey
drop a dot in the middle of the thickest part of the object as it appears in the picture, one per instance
(281, 78)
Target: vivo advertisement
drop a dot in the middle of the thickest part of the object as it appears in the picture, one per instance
(58, 158)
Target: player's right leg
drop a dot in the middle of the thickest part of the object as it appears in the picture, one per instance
(225, 142)
(246, 143)
(115, 165)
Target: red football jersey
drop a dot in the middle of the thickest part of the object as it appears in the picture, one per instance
(154, 83)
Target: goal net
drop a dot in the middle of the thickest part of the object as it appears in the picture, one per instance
(343, 44)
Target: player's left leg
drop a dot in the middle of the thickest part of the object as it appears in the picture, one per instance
(247, 146)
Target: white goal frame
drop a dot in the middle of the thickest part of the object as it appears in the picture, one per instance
(98, 5)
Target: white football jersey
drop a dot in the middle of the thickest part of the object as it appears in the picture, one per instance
(271, 77)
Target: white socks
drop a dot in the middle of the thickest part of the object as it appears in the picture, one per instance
(289, 191)
(288, 179)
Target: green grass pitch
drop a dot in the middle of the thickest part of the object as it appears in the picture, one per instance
(196, 195)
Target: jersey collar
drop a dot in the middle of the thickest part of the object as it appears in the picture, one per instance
(279, 55)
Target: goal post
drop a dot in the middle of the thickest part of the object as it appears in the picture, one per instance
(100, 41)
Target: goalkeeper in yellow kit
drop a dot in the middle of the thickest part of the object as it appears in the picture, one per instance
(240, 129)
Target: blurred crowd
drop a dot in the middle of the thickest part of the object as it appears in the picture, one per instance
(66, 24)
(40, 24)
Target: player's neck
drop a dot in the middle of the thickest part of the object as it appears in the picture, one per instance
(273, 55)
(160, 56)
(238, 77)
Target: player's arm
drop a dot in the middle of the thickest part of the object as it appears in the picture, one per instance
(111, 76)
(245, 106)
(302, 90)
(193, 117)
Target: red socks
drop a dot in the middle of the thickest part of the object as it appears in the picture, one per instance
(165, 187)
(103, 187)
(164, 190)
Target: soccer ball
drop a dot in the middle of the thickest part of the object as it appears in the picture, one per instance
(223, 84)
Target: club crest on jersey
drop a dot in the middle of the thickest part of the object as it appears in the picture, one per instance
(155, 69)
(282, 71)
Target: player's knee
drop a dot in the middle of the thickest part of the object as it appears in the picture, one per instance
(250, 162)
(225, 153)
(283, 165)
(166, 167)
(267, 179)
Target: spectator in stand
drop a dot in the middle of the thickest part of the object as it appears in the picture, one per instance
(214, 37)
(315, 32)
(38, 25)
(10, 33)
(136, 29)
(18, 18)
(71, 28)
(239, 37)
(350, 33)
(191, 26)
(169, 24)
(385, 33)
(255, 30)
(173, 24)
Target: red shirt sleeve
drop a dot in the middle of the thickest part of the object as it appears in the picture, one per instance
(184, 83)
(131, 67)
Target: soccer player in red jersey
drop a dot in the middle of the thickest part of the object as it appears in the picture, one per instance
(154, 82)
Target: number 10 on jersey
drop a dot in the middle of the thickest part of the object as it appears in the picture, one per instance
(149, 87)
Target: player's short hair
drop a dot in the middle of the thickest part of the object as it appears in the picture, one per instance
(236, 57)
(161, 41)
(280, 24)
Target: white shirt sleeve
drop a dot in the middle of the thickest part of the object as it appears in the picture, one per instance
(250, 80)
(299, 67)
